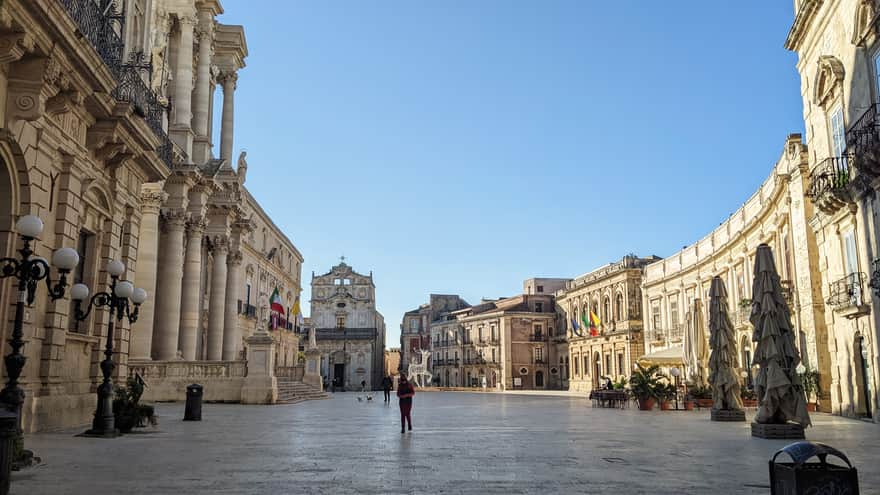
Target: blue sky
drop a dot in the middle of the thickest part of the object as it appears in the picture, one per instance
(462, 147)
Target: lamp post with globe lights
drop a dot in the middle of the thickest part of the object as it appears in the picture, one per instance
(123, 301)
(29, 270)
(676, 373)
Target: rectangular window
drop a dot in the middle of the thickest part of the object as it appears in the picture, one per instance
(838, 132)
(655, 315)
(539, 332)
(337, 281)
(852, 267)
(414, 325)
(620, 369)
(493, 354)
(83, 273)
(673, 313)
(576, 360)
(540, 288)
(494, 333)
(247, 293)
(539, 307)
(586, 366)
(340, 322)
(539, 354)
(608, 370)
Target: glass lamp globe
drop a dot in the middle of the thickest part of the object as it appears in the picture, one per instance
(138, 296)
(65, 258)
(675, 372)
(29, 226)
(124, 289)
(800, 368)
(115, 268)
(79, 292)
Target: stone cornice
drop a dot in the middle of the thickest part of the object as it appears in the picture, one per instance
(806, 12)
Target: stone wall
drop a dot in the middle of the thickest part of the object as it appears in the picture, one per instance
(167, 380)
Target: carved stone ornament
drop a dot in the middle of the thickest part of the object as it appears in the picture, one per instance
(828, 81)
(196, 225)
(220, 244)
(234, 258)
(174, 219)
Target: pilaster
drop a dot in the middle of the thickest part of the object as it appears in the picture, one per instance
(216, 310)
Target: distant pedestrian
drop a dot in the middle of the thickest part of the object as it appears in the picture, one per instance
(363, 385)
(386, 387)
(405, 392)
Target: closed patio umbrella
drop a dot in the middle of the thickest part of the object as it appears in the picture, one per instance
(689, 355)
(722, 362)
(780, 394)
(701, 350)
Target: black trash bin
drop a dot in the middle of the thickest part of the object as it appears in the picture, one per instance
(193, 411)
(8, 431)
(800, 476)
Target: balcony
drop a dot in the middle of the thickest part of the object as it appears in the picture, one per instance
(101, 24)
(788, 293)
(875, 277)
(848, 296)
(828, 184)
(863, 143)
(537, 337)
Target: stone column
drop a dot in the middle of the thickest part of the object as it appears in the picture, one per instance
(167, 321)
(216, 312)
(183, 82)
(145, 276)
(228, 80)
(231, 331)
(189, 298)
(202, 94)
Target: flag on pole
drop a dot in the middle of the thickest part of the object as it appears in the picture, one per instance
(275, 303)
(586, 319)
(575, 328)
(594, 324)
(296, 309)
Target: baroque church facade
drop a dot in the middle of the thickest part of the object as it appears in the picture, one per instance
(349, 331)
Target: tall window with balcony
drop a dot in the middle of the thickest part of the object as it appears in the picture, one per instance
(836, 127)
(340, 322)
(673, 313)
(655, 316)
(539, 355)
(618, 307)
(538, 333)
(852, 268)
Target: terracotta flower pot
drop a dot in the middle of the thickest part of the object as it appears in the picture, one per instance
(812, 407)
(646, 404)
(705, 403)
(689, 405)
(750, 402)
(665, 405)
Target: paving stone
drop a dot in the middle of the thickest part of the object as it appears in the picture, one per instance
(463, 443)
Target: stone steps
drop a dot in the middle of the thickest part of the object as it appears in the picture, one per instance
(294, 392)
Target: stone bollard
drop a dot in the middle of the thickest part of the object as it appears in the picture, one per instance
(8, 430)
(193, 410)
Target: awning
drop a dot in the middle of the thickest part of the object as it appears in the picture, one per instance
(670, 356)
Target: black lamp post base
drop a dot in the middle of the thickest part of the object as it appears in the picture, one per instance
(100, 434)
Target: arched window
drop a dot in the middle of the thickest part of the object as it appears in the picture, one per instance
(606, 309)
(618, 307)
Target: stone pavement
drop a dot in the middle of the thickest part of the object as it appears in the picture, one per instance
(462, 443)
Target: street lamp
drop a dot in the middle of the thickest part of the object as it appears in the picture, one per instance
(29, 271)
(675, 372)
(117, 301)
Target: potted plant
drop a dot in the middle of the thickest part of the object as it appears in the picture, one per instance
(127, 411)
(700, 395)
(666, 393)
(644, 384)
(749, 398)
(620, 384)
(810, 382)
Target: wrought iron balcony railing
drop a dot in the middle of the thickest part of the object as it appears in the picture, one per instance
(788, 292)
(875, 277)
(101, 22)
(848, 291)
(863, 141)
(828, 183)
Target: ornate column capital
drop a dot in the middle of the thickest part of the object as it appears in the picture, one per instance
(220, 244)
(187, 21)
(234, 259)
(228, 77)
(174, 219)
(196, 225)
(151, 200)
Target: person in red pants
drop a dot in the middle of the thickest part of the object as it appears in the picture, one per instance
(405, 392)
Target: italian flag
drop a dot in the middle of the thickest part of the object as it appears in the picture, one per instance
(275, 303)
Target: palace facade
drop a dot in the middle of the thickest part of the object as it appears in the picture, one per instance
(106, 136)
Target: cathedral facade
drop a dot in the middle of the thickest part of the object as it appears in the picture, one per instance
(350, 332)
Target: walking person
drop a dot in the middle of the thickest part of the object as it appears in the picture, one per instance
(405, 392)
(386, 387)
